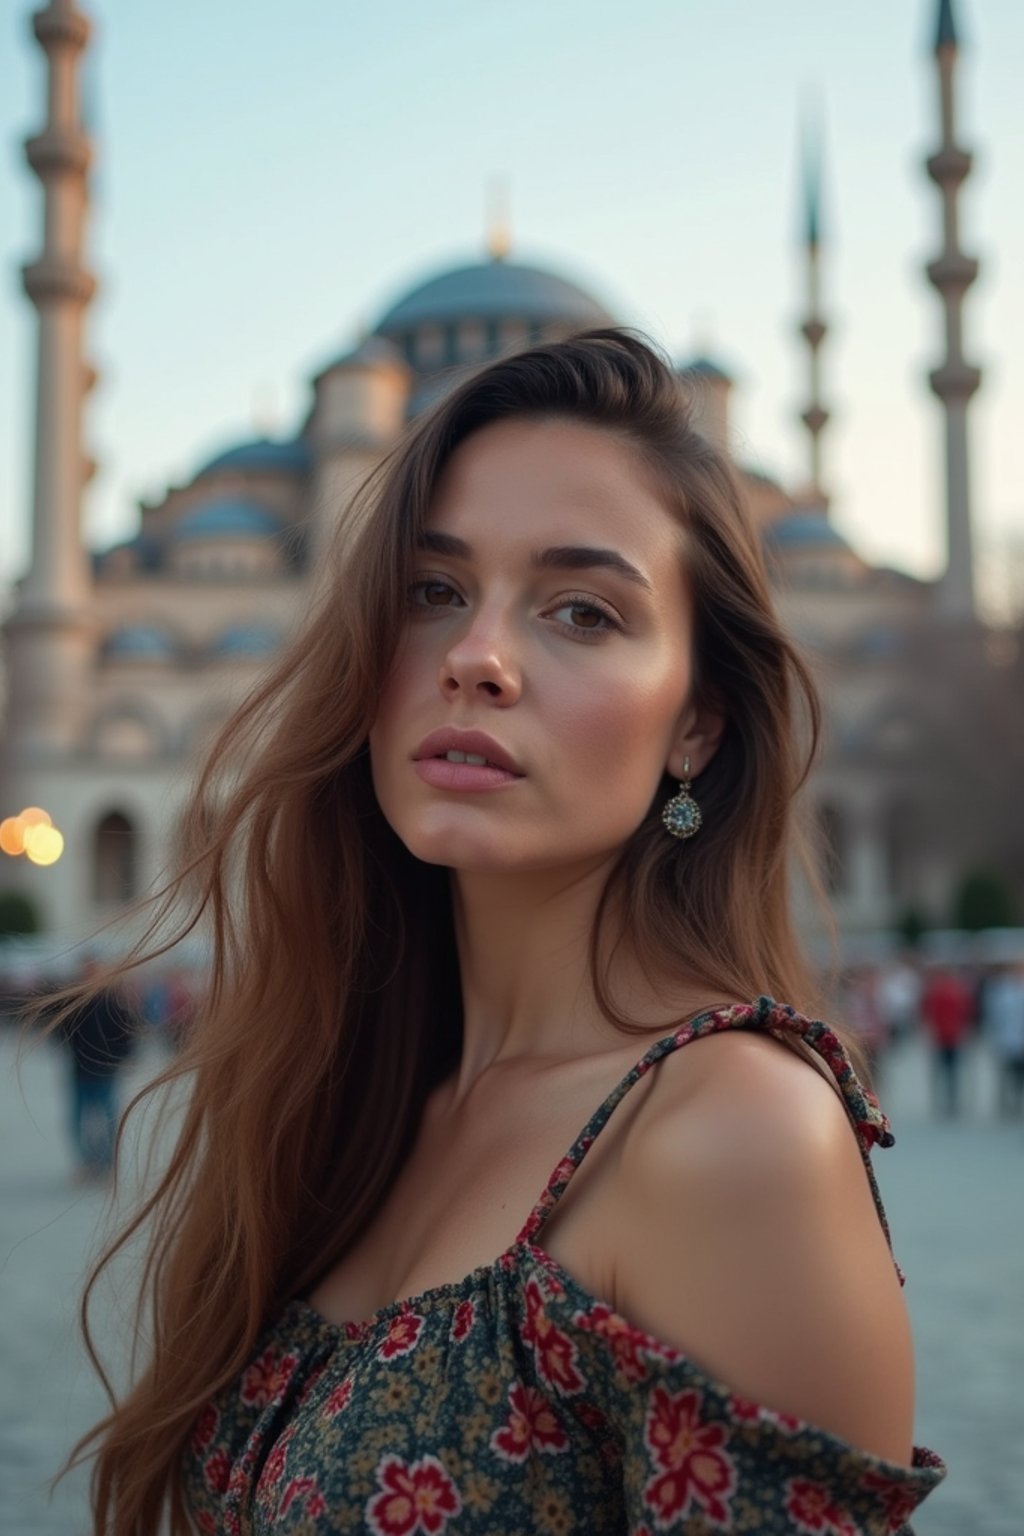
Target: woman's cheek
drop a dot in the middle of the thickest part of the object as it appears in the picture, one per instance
(631, 726)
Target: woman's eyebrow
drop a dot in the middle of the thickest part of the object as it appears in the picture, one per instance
(567, 557)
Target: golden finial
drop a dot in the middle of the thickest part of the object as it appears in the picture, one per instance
(499, 236)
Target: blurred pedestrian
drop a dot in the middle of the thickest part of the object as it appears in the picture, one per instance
(898, 991)
(181, 1008)
(99, 1037)
(947, 1010)
(153, 1008)
(1003, 1023)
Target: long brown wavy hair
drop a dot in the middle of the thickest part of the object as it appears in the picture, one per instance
(333, 1003)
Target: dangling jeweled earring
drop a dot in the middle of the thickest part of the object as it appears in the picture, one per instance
(682, 813)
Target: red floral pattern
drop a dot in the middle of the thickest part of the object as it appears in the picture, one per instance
(462, 1322)
(898, 1502)
(217, 1471)
(402, 1335)
(338, 1399)
(744, 1410)
(417, 1497)
(276, 1463)
(267, 1379)
(813, 1510)
(625, 1342)
(205, 1428)
(516, 1401)
(692, 1468)
(532, 1425)
(553, 1349)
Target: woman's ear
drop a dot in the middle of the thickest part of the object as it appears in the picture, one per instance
(699, 733)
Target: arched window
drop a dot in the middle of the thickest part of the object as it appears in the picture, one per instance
(429, 347)
(115, 859)
(834, 846)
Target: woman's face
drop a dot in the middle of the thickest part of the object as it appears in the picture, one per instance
(577, 664)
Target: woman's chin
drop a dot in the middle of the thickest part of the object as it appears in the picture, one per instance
(465, 853)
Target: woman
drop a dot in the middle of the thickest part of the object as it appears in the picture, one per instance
(508, 826)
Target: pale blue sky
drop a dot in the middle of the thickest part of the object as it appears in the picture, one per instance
(269, 178)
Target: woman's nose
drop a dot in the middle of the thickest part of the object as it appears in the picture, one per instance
(482, 657)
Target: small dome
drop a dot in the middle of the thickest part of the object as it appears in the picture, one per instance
(263, 454)
(372, 351)
(704, 368)
(493, 290)
(810, 530)
(247, 640)
(143, 642)
(227, 519)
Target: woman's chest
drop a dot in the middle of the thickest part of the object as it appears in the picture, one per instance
(468, 1188)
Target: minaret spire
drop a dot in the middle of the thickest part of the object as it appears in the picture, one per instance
(946, 35)
(955, 380)
(49, 634)
(499, 236)
(813, 329)
(60, 287)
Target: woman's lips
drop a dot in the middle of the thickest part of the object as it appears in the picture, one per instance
(442, 774)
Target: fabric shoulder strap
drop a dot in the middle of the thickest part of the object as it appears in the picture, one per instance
(870, 1124)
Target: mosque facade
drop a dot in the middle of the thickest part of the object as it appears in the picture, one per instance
(120, 664)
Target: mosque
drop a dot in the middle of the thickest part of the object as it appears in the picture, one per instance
(120, 663)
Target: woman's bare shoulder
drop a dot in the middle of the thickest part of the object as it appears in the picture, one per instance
(739, 1072)
(750, 1240)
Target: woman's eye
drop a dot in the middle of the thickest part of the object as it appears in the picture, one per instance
(435, 593)
(595, 621)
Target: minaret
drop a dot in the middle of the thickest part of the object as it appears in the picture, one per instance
(955, 380)
(813, 329)
(49, 635)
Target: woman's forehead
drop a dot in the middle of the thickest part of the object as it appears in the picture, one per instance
(567, 481)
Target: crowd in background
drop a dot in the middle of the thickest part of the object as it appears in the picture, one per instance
(884, 1005)
(99, 1038)
(950, 1006)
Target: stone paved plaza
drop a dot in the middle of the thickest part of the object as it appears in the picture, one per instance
(954, 1192)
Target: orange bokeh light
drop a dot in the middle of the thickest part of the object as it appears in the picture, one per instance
(12, 835)
(32, 833)
(32, 816)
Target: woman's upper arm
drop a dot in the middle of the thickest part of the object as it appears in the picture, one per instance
(750, 1241)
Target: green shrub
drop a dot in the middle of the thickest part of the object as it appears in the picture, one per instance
(984, 899)
(18, 914)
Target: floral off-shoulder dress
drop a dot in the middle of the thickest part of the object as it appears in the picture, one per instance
(515, 1403)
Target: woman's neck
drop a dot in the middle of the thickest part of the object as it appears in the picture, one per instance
(523, 945)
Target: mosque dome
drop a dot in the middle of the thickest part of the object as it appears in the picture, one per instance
(372, 351)
(247, 640)
(493, 290)
(706, 368)
(465, 316)
(263, 454)
(141, 642)
(805, 530)
(225, 519)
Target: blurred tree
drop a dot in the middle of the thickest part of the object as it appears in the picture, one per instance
(984, 899)
(17, 914)
(911, 925)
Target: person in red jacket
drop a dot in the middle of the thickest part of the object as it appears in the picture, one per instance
(947, 1010)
